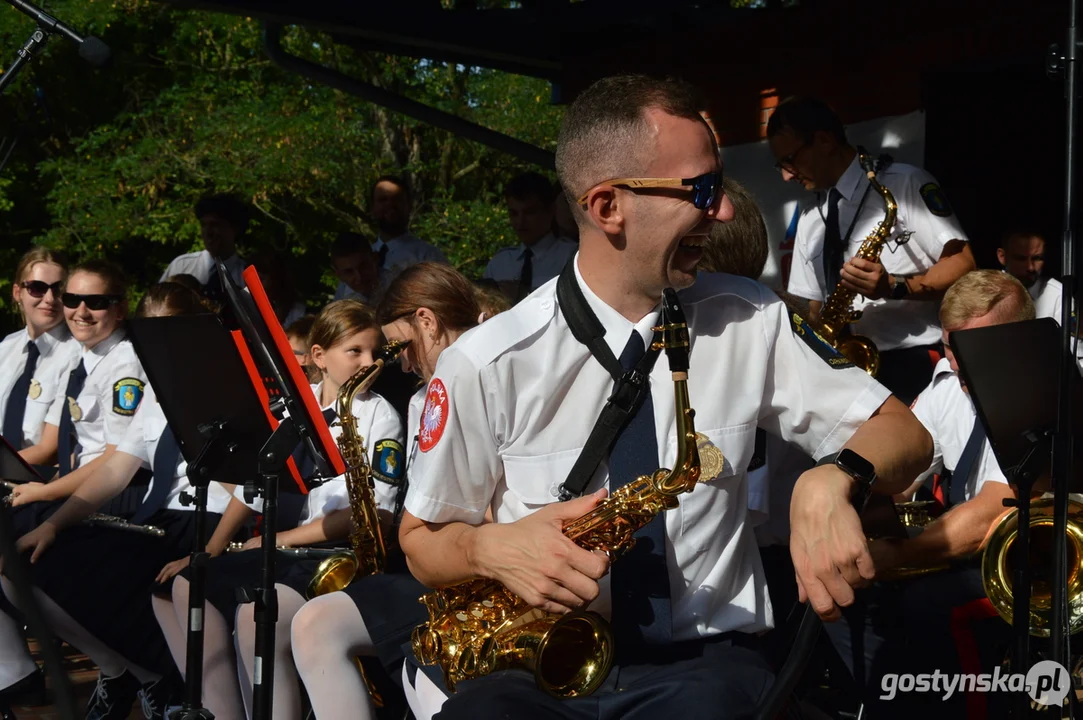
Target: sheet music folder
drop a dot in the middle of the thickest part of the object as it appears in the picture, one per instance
(199, 375)
(1011, 372)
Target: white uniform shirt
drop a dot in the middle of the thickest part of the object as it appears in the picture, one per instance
(948, 414)
(513, 401)
(550, 255)
(114, 386)
(141, 441)
(381, 427)
(406, 250)
(924, 226)
(769, 504)
(1046, 293)
(413, 425)
(201, 265)
(56, 347)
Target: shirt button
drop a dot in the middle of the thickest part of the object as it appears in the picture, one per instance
(554, 491)
(547, 304)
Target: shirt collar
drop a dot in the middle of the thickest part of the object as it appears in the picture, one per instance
(50, 339)
(94, 355)
(405, 239)
(541, 247)
(617, 327)
(850, 180)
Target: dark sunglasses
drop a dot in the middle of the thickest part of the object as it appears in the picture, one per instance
(93, 302)
(706, 188)
(38, 288)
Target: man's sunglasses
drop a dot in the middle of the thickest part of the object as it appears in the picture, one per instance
(38, 288)
(706, 188)
(93, 302)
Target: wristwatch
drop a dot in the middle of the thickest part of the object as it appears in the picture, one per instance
(900, 289)
(857, 467)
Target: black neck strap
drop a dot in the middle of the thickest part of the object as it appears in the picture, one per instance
(629, 393)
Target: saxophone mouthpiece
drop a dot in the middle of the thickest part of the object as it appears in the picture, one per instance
(674, 331)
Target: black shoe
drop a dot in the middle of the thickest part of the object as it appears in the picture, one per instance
(113, 697)
(158, 698)
(28, 692)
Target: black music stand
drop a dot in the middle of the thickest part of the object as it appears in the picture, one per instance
(1011, 373)
(220, 423)
(13, 468)
(303, 423)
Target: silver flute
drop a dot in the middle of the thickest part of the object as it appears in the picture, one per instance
(99, 519)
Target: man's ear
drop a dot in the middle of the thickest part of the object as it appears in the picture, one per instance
(607, 208)
(1002, 257)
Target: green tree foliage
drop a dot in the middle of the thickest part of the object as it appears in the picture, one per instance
(109, 163)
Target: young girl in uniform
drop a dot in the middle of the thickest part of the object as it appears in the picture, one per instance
(32, 359)
(32, 363)
(430, 305)
(94, 583)
(344, 338)
(100, 390)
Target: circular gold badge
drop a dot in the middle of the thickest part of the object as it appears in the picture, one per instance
(35, 389)
(75, 410)
(711, 460)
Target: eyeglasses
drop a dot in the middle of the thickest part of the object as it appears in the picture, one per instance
(93, 302)
(706, 188)
(38, 288)
(786, 163)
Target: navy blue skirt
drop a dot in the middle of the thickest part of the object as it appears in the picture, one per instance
(104, 577)
(389, 605)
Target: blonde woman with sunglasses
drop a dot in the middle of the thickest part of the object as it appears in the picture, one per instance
(33, 358)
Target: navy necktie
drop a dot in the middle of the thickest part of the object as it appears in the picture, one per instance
(166, 456)
(640, 582)
(526, 275)
(66, 441)
(833, 249)
(967, 461)
(16, 405)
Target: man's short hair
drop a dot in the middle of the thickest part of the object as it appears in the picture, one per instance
(396, 180)
(1008, 238)
(349, 243)
(602, 134)
(230, 207)
(804, 117)
(738, 247)
(980, 292)
(530, 185)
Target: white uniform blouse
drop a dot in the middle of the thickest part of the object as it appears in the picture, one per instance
(513, 401)
(948, 414)
(56, 347)
(925, 224)
(114, 386)
(381, 427)
(141, 441)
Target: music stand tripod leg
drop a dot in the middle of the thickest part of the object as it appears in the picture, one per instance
(198, 474)
(272, 465)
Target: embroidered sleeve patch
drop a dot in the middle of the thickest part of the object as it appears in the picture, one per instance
(126, 396)
(434, 416)
(821, 347)
(387, 461)
(935, 200)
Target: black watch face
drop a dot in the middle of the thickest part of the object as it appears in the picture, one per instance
(856, 465)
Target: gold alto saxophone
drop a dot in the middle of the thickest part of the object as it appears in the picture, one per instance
(479, 626)
(838, 314)
(367, 554)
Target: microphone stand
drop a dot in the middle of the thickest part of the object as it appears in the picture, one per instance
(26, 54)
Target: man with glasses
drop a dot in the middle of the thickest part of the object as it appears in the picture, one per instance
(926, 253)
(512, 404)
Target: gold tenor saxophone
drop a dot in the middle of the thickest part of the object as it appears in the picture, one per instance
(367, 554)
(838, 312)
(479, 626)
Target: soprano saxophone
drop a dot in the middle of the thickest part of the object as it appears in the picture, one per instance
(367, 554)
(479, 626)
(838, 312)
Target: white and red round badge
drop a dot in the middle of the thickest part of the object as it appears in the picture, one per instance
(434, 416)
